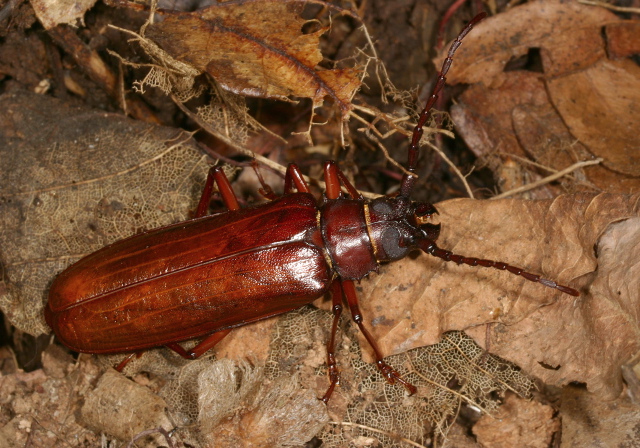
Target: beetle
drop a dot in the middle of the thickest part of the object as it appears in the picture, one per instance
(202, 277)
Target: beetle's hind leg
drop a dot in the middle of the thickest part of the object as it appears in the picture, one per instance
(216, 174)
(203, 346)
(293, 181)
(200, 349)
(120, 367)
(265, 191)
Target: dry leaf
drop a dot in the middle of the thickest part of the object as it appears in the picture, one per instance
(524, 123)
(122, 408)
(74, 180)
(273, 414)
(489, 126)
(588, 421)
(601, 107)
(623, 39)
(518, 422)
(446, 375)
(551, 335)
(544, 136)
(583, 103)
(55, 12)
(256, 49)
(556, 27)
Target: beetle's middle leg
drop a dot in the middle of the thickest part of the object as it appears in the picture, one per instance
(387, 371)
(294, 178)
(332, 366)
(333, 178)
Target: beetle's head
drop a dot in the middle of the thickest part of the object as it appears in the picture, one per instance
(397, 225)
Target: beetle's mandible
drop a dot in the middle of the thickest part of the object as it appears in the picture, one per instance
(226, 270)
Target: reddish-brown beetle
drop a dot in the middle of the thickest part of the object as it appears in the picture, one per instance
(203, 277)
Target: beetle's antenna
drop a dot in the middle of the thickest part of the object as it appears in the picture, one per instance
(408, 180)
(432, 248)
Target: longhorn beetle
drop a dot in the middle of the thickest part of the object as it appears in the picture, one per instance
(202, 277)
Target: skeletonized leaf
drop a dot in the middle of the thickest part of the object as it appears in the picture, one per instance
(256, 49)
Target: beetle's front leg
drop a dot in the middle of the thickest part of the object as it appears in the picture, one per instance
(387, 371)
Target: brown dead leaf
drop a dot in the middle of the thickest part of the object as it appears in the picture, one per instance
(256, 49)
(556, 27)
(525, 123)
(601, 106)
(74, 180)
(588, 421)
(551, 335)
(543, 135)
(623, 39)
(589, 103)
(518, 422)
(491, 127)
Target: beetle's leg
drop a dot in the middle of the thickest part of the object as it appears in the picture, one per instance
(294, 177)
(332, 366)
(204, 346)
(387, 371)
(265, 191)
(120, 367)
(333, 177)
(216, 174)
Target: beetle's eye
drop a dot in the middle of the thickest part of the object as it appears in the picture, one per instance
(394, 244)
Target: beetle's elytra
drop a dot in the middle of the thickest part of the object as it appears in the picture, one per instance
(134, 289)
(205, 276)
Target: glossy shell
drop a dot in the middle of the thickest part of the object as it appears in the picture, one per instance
(193, 278)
